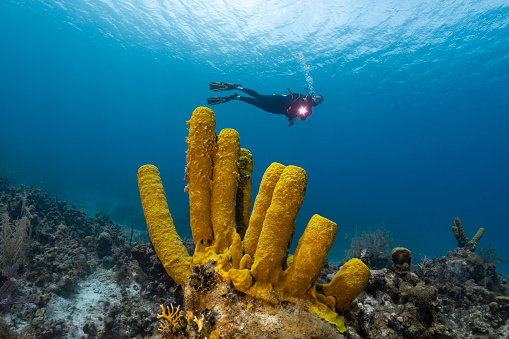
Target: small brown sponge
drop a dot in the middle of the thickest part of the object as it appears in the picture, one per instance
(246, 267)
(401, 257)
(462, 239)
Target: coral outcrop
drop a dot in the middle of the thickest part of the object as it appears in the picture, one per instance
(255, 265)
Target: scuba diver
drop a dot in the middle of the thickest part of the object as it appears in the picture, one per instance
(294, 105)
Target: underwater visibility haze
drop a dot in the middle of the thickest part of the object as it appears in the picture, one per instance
(413, 130)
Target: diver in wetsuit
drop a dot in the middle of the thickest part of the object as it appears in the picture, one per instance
(293, 106)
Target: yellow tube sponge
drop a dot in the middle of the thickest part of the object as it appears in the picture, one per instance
(243, 204)
(310, 256)
(219, 178)
(477, 236)
(200, 155)
(224, 189)
(348, 283)
(461, 237)
(279, 225)
(261, 205)
(459, 233)
(246, 261)
(236, 251)
(166, 241)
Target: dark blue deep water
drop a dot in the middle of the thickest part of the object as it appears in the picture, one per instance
(413, 131)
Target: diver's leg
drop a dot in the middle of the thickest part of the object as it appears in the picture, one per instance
(273, 103)
(262, 97)
(266, 106)
(252, 93)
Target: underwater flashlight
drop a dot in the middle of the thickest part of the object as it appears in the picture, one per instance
(302, 110)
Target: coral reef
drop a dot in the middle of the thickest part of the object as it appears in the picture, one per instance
(462, 239)
(256, 265)
(64, 261)
(454, 296)
(469, 294)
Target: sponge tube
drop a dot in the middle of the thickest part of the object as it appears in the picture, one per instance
(200, 155)
(309, 258)
(261, 205)
(279, 225)
(166, 241)
(224, 189)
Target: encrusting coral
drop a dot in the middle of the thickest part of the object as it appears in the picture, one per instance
(462, 239)
(254, 265)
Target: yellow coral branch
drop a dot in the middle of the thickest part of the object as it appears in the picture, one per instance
(171, 318)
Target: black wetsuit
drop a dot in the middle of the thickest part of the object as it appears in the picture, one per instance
(289, 105)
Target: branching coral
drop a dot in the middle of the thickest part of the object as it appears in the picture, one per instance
(218, 174)
(170, 318)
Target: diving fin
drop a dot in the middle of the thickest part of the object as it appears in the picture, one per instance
(214, 101)
(222, 86)
(220, 100)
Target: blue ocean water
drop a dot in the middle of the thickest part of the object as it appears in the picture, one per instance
(413, 131)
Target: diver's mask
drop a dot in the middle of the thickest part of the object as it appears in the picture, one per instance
(318, 99)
